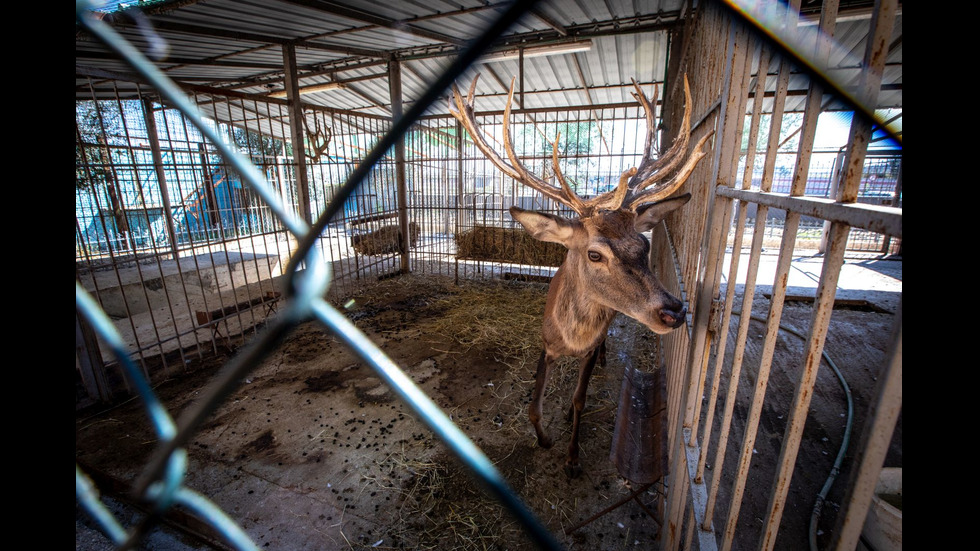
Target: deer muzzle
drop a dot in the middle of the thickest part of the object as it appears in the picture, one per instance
(673, 318)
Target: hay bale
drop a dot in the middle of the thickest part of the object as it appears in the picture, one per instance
(507, 245)
(386, 240)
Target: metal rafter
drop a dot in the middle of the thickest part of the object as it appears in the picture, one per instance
(336, 8)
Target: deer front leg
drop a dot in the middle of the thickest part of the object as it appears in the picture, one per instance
(600, 353)
(572, 466)
(534, 410)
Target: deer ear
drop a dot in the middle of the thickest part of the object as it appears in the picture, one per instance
(650, 214)
(543, 226)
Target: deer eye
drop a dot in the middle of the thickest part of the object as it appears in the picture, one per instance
(594, 256)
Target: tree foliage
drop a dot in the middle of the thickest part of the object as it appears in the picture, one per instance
(95, 123)
(255, 144)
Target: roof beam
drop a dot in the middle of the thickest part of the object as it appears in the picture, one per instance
(549, 21)
(200, 30)
(614, 27)
(438, 15)
(104, 55)
(365, 96)
(355, 14)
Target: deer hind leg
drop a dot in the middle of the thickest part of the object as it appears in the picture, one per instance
(572, 466)
(534, 410)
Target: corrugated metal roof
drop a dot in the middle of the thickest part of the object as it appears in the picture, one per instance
(237, 45)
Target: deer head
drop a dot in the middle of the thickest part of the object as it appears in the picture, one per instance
(607, 263)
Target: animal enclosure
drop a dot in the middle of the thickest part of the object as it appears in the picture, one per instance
(194, 266)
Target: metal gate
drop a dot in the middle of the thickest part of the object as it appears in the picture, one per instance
(700, 398)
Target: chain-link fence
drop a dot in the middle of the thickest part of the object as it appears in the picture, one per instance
(308, 279)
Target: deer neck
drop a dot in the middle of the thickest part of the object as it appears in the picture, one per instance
(574, 323)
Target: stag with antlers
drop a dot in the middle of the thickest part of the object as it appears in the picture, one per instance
(607, 267)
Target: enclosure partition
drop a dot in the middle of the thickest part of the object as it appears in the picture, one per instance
(179, 250)
(459, 201)
(695, 361)
(174, 244)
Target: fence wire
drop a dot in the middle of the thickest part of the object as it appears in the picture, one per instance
(161, 483)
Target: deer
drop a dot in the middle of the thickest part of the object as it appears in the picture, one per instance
(606, 269)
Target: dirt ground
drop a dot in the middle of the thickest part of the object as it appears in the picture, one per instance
(314, 452)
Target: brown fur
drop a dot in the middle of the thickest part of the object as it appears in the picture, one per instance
(586, 294)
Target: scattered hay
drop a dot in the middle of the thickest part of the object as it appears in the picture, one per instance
(443, 509)
(494, 315)
(386, 240)
(507, 245)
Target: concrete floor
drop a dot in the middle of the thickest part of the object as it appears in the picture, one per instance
(877, 281)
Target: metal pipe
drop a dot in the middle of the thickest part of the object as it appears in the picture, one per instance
(876, 218)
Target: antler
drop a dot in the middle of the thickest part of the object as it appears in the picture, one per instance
(465, 113)
(629, 193)
(655, 171)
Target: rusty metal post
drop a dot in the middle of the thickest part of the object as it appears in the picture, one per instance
(882, 416)
(297, 127)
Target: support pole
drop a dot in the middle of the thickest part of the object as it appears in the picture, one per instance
(458, 207)
(297, 125)
(213, 219)
(88, 361)
(168, 213)
(395, 89)
(887, 244)
(520, 69)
